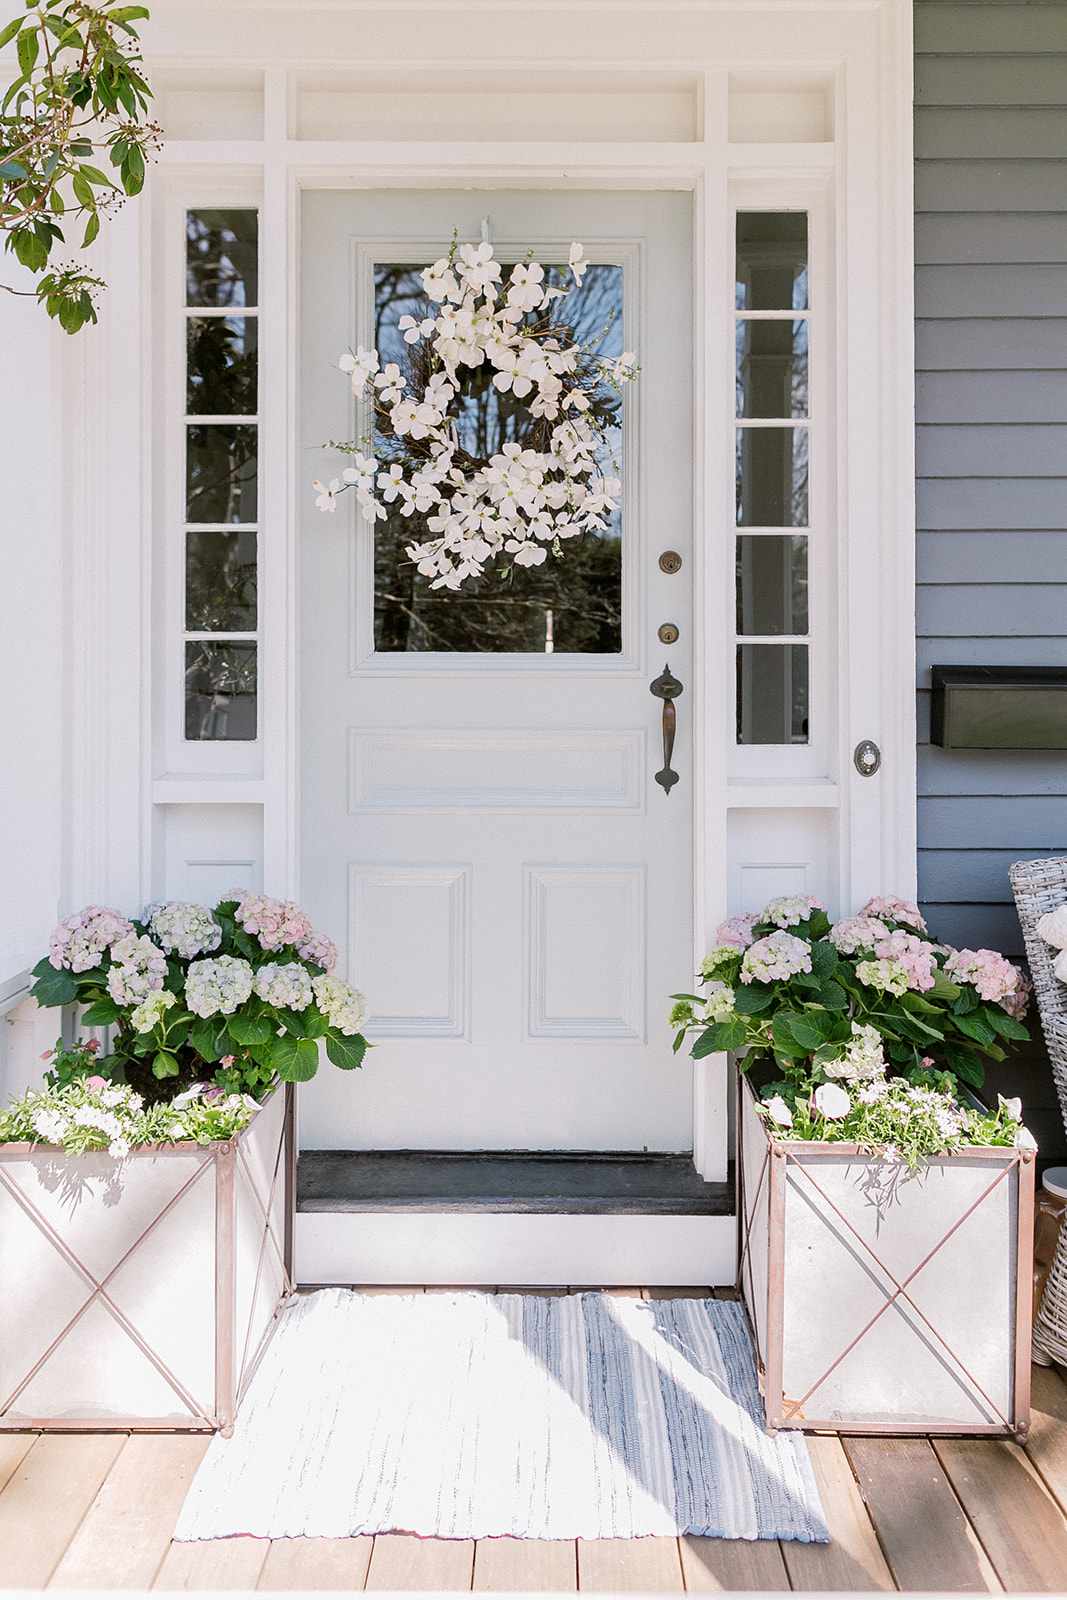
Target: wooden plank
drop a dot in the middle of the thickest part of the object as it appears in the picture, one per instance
(988, 81)
(45, 1499)
(1047, 1444)
(1017, 1520)
(526, 1565)
(213, 1564)
(924, 1535)
(127, 1529)
(998, 823)
(404, 1561)
(1006, 186)
(316, 1564)
(702, 1292)
(991, 289)
(967, 610)
(970, 344)
(610, 1565)
(991, 503)
(13, 1449)
(732, 1565)
(1009, 131)
(1009, 397)
(1010, 29)
(853, 1559)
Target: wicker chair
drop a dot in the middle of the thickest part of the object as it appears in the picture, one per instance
(1041, 886)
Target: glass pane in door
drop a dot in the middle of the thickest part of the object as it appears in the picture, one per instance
(573, 601)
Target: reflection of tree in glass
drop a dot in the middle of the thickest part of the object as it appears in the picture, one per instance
(222, 250)
(220, 582)
(221, 366)
(572, 603)
(221, 473)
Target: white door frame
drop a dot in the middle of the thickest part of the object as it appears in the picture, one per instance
(863, 50)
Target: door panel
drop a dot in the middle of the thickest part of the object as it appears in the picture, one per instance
(481, 828)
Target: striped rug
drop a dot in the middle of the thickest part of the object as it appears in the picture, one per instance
(474, 1415)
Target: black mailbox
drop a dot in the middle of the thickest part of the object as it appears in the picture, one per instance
(999, 708)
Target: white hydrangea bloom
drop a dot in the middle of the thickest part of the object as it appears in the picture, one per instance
(719, 1004)
(863, 1057)
(140, 967)
(218, 986)
(144, 1017)
(184, 930)
(343, 1007)
(285, 984)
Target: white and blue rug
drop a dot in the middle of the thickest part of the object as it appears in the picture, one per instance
(475, 1415)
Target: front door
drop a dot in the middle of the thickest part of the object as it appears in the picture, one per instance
(482, 831)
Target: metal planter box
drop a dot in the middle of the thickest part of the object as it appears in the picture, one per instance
(140, 1295)
(886, 1308)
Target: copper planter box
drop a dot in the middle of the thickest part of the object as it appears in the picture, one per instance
(140, 1295)
(886, 1308)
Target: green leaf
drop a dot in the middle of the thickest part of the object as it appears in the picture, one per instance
(832, 996)
(12, 169)
(203, 1038)
(785, 1042)
(729, 1035)
(976, 1028)
(295, 1060)
(752, 998)
(10, 31)
(944, 988)
(133, 170)
(94, 175)
(245, 1030)
(965, 1065)
(82, 191)
(92, 228)
(823, 958)
(806, 1029)
(347, 1052)
(101, 1013)
(55, 988)
(164, 1065)
(28, 46)
(128, 14)
(1007, 1027)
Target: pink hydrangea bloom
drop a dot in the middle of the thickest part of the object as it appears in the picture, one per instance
(992, 974)
(140, 968)
(319, 950)
(892, 909)
(1017, 1003)
(273, 922)
(736, 931)
(775, 957)
(914, 955)
(857, 933)
(78, 942)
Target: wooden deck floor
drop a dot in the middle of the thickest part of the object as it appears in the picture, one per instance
(96, 1511)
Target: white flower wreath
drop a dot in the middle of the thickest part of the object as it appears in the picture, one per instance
(522, 501)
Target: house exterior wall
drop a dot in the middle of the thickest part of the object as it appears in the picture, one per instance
(991, 445)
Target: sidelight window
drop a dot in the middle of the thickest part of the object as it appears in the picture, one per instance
(771, 462)
(221, 478)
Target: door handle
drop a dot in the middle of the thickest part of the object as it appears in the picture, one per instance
(667, 688)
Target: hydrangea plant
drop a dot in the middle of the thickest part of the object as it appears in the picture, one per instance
(236, 996)
(865, 1028)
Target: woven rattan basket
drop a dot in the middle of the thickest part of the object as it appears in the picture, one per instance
(1041, 886)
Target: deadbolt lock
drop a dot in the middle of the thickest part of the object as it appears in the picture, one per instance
(667, 633)
(670, 561)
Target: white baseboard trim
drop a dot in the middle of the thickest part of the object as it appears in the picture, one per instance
(488, 1249)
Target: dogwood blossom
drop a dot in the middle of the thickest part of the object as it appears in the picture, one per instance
(184, 930)
(778, 1111)
(140, 966)
(286, 984)
(343, 1007)
(217, 985)
(519, 502)
(788, 910)
(79, 941)
(777, 956)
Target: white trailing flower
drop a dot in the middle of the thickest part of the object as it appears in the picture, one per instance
(778, 1111)
(218, 986)
(1024, 1140)
(343, 1007)
(519, 502)
(184, 930)
(284, 983)
(1012, 1107)
(832, 1102)
(51, 1126)
(1052, 927)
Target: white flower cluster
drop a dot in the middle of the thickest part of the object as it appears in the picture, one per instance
(521, 502)
(139, 968)
(284, 983)
(719, 1004)
(145, 1016)
(789, 909)
(218, 985)
(183, 929)
(862, 1058)
(88, 1115)
(343, 1007)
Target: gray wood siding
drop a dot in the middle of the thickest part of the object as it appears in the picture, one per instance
(991, 443)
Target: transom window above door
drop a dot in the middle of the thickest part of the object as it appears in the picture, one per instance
(573, 602)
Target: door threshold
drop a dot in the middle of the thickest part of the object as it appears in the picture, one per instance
(523, 1183)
